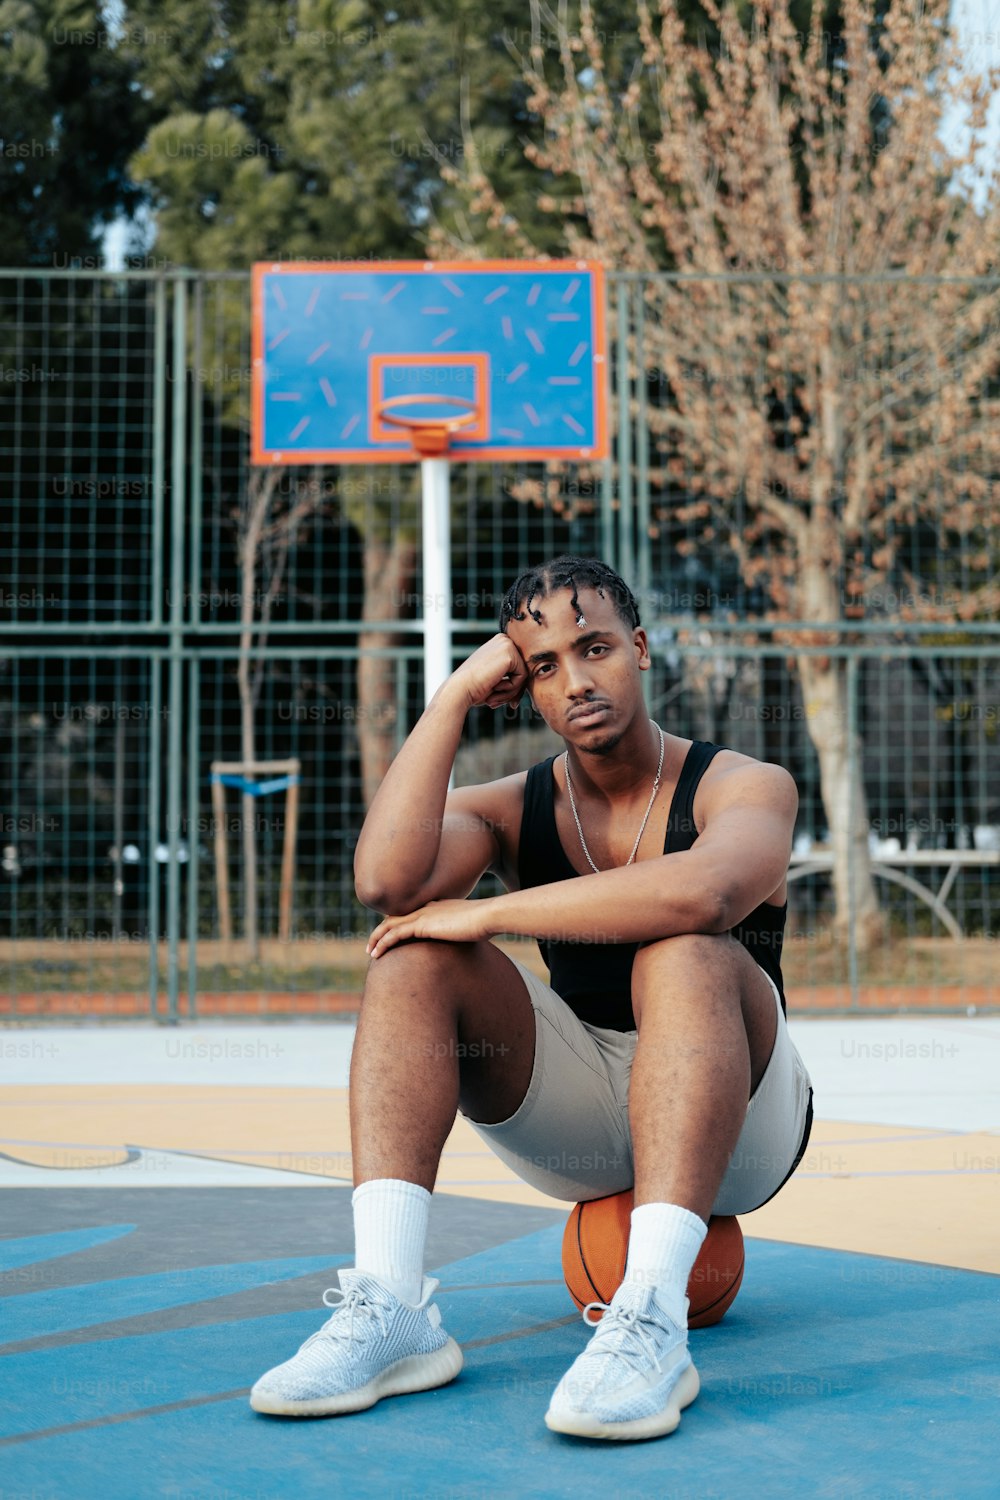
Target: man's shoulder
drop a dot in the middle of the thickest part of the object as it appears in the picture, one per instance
(731, 774)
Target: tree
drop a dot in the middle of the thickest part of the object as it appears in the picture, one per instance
(818, 426)
(63, 76)
(320, 130)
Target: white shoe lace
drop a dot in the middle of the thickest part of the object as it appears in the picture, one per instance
(354, 1303)
(614, 1330)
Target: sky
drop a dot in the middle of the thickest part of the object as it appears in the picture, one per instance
(977, 23)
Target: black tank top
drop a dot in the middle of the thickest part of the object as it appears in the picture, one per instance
(595, 979)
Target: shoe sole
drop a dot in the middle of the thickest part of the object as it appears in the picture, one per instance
(418, 1372)
(582, 1424)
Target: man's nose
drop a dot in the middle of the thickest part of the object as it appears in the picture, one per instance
(579, 679)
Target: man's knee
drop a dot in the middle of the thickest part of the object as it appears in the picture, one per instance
(670, 969)
(687, 950)
(418, 968)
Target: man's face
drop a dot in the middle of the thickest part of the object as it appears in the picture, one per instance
(582, 677)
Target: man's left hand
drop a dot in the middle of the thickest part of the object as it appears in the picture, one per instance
(442, 921)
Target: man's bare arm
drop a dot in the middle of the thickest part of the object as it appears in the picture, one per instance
(418, 842)
(737, 862)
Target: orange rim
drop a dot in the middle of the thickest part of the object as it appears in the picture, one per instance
(464, 419)
(430, 434)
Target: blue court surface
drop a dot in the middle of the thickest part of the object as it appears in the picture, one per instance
(834, 1374)
(168, 1225)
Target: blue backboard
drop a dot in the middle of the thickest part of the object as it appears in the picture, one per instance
(513, 349)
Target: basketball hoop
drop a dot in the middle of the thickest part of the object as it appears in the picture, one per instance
(431, 435)
(348, 368)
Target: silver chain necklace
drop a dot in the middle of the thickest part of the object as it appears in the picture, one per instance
(642, 826)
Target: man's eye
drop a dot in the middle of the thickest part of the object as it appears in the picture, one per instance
(596, 648)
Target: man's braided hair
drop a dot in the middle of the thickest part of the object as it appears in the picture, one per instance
(567, 572)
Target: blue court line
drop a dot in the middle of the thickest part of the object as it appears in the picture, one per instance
(35, 1314)
(833, 1375)
(32, 1248)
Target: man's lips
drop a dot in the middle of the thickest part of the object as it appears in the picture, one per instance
(587, 710)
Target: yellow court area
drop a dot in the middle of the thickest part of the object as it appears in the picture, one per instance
(906, 1191)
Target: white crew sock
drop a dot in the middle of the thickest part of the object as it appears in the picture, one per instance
(390, 1232)
(662, 1248)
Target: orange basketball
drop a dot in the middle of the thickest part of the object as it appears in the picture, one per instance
(595, 1244)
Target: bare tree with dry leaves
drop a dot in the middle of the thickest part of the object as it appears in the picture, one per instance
(828, 343)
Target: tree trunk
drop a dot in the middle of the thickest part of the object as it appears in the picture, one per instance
(390, 566)
(823, 680)
(260, 489)
(824, 689)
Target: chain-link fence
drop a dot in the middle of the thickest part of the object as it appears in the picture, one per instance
(205, 668)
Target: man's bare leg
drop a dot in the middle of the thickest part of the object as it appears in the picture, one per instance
(706, 1030)
(707, 1024)
(441, 1023)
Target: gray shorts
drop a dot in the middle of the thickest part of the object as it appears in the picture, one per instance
(570, 1137)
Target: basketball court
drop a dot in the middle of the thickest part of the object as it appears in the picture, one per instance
(174, 1200)
(168, 1238)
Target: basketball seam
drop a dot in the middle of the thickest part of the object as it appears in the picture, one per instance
(737, 1281)
(583, 1259)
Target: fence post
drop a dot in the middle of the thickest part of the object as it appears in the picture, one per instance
(609, 551)
(643, 579)
(626, 544)
(153, 830)
(193, 663)
(853, 772)
(193, 793)
(178, 500)
(197, 417)
(159, 441)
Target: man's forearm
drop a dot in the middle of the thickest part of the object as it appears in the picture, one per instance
(401, 836)
(677, 893)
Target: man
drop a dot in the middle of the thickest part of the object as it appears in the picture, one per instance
(652, 871)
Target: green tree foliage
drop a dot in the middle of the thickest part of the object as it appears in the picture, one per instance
(334, 127)
(318, 128)
(70, 118)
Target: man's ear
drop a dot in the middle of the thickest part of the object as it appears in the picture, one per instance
(642, 650)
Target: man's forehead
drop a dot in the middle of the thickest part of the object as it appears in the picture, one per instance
(558, 616)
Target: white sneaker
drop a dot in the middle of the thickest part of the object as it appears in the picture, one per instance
(373, 1346)
(634, 1377)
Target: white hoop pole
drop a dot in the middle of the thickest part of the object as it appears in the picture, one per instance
(436, 519)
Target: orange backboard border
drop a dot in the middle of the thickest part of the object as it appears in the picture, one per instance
(403, 452)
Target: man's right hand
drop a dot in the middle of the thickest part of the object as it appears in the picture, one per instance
(494, 675)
